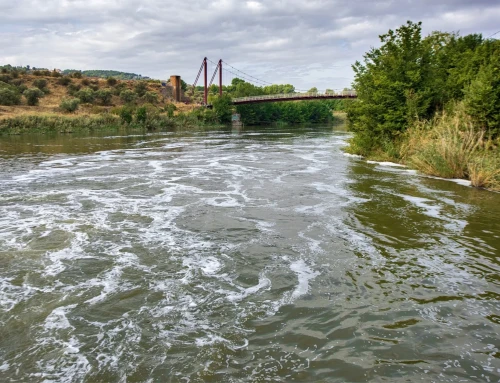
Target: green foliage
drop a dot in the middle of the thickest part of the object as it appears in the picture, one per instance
(5, 78)
(313, 90)
(223, 108)
(69, 104)
(141, 88)
(64, 81)
(120, 87)
(73, 89)
(111, 81)
(9, 95)
(104, 96)
(409, 78)
(40, 83)
(55, 73)
(75, 74)
(33, 95)
(85, 82)
(126, 115)
(86, 95)
(287, 112)
(141, 115)
(151, 97)
(128, 96)
(37, 73)
(170, 109)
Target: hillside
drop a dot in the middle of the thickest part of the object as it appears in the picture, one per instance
(107, 73)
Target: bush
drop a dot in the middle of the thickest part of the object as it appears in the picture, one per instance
(105, 96)
(151, 97)
(76, 74)
(40, 83)
(64, 81)
(141, 115)
(111, 81)
(73, 88)
(37, 73)
(9, 96)
(141, 88)
(55, 73)
(128, 96)
(5, 78)
(120, 87)
(86, 82)
(86, 95)
(170, 109)
(33, 95)
(69, 104)
(126, 115)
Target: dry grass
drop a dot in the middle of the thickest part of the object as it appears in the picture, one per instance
(50, 103)
(450, 146)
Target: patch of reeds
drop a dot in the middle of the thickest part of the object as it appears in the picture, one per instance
(451, 146)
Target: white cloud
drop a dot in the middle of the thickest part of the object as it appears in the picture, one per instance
(307, 43)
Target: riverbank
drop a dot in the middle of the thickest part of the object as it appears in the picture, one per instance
(448, 146)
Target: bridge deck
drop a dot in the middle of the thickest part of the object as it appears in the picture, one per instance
(293, 97)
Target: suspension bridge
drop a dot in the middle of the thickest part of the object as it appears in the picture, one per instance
(236, 73)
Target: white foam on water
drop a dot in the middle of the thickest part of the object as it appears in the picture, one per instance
(304, 275)
(57, 318)
(386, 163)
(264, 284)
(352, 155)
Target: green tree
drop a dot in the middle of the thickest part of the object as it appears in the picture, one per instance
(86, 95)
(33, 95)
(104, 95)
(223, 108)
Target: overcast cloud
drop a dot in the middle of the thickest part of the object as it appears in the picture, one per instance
(306, 43)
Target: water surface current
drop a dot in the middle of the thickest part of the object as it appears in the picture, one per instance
(254, 255)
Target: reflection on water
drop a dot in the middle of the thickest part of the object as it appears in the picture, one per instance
(224, 256)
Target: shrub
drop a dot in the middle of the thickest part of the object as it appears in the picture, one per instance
(5, 78)
(86, 95)
(111, 81)
(21, 88)
(141, 88)
(40, 83)
(128, 96)
(69, 104)
(94, 87)
(37, 73)
(86, 82)
(46, 72)
(76, 74)
(55, 73)
(64, 81)
(170, 109)
(105, 96)
(126, 115)
(9, 96)
(151, 97)
(120, 87)
(15, 73)
(73, 88)
(33, 95)
(141, 115)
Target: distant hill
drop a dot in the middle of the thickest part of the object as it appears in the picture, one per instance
(108, 73)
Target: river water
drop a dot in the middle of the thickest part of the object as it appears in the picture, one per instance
(258, 255)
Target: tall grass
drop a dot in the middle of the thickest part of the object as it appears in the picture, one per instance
(451, 146)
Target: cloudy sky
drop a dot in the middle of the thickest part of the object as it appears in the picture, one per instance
(304, 42)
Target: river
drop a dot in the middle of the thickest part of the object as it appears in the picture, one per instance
(254, 255)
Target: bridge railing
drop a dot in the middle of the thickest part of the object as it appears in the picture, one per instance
(342, 93)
